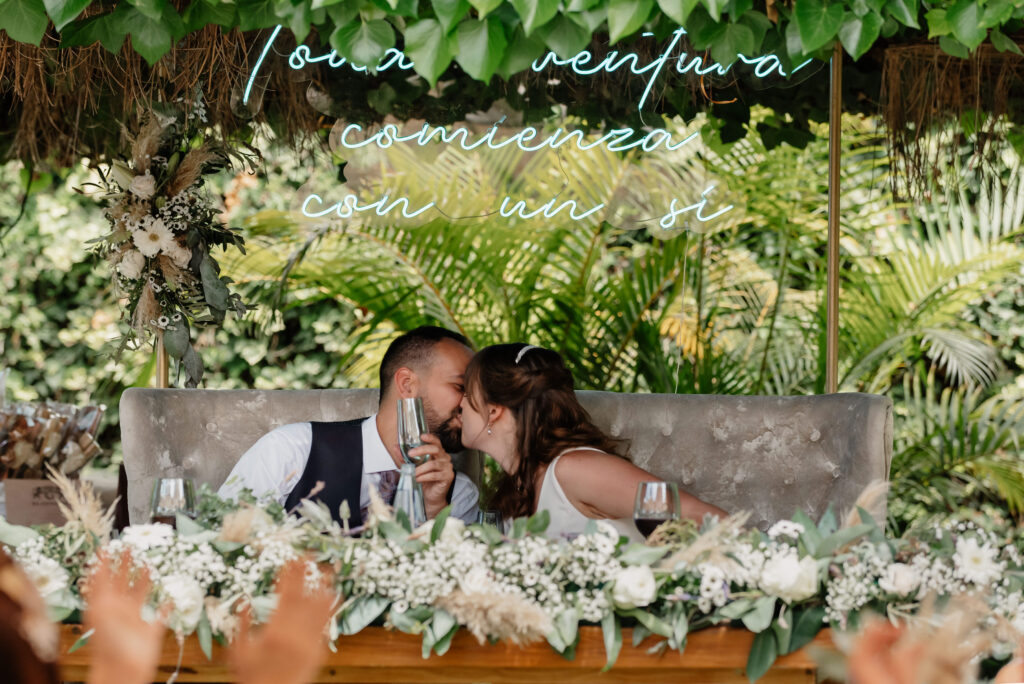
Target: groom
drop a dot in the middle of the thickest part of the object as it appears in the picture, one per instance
(351, 456)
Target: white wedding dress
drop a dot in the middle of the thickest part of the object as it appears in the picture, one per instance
(566, 519)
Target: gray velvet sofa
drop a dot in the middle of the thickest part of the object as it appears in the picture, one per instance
(768, 455)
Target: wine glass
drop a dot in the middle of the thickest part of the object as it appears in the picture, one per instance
(171, 496)
(489, 516)
(656, 502)
(412, 424)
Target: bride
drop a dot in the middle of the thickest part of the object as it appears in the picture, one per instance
(520, 408)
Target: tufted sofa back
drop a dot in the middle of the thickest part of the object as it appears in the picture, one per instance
(769, 455)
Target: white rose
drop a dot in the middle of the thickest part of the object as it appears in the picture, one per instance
(634, 586)
(899, 579)
(187, 597)
(144, 186)
(180, 255)
(789, 577)
(476, 581)
(131, 264)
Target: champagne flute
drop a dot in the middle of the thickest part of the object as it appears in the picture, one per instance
(171, 496)
(656, 502)
(412, 425)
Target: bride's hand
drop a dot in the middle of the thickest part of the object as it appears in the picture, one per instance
(435, 476)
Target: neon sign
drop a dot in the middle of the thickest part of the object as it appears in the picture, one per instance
(528, 138)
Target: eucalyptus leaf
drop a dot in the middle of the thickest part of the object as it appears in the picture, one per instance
(641, 554)
(177, 339)
(15, 535)
(841, 537)
(759, 617)
(363, 611)
(763, 653)
(806, 625)
(611, 629)
(538, 522)
(214, 290)
(736, 609)
(205, 635)
(438, 527)
(652, 622)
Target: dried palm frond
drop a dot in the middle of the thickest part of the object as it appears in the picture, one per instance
(190, 169)
(872, 500)
(147, 310)
(147, 143)
(82, 506)
(711, 546)
(241, 525)
(502, 616)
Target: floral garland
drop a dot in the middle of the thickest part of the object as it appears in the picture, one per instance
(785, 585)
(163, 230)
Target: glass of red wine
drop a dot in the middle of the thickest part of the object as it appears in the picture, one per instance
(656, 502)
(171, 496)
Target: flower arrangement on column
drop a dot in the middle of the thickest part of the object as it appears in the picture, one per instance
(164, 228)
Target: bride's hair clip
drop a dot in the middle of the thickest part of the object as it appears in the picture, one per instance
(522, 351)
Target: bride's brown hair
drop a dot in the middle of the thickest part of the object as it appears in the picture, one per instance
(534, 384)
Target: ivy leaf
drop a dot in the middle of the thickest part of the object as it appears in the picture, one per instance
(817, 22)
(154, 9)
(715, 7)
(938, 25)
(1002, 43)
(759, 24)
(580, 5)
(24, 20)
(565, 36)
(104, 28)
(256, 14)
(450, 11)
(904, 11)
(200, 14)
(858, 34)
(63, 12)
(997, 13)
(363, 43)
(736, 39)
(762, 654)
(481, 47)
(677, 10)
(963, 17)
(428, 46)
(520, 53)
(626, 16)
(151, 38)
(485, 7)
(535, 13)
(952, 46)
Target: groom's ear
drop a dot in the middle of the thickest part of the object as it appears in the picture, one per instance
(407, 383)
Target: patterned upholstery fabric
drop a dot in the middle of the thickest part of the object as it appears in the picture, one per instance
(769, 455)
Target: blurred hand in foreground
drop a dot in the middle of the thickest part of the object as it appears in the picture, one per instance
(290, 648)
(878, 657)
(125, 647)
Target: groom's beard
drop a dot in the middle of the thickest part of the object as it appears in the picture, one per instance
(449, 430)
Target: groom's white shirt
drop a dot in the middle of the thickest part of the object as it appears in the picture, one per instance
(273, 465)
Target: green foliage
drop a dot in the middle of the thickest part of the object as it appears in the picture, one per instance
(362, 30)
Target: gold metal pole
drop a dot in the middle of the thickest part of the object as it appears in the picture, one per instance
(162, 362)
(835, 122)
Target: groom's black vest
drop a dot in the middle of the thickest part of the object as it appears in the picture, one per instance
(336, 459)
